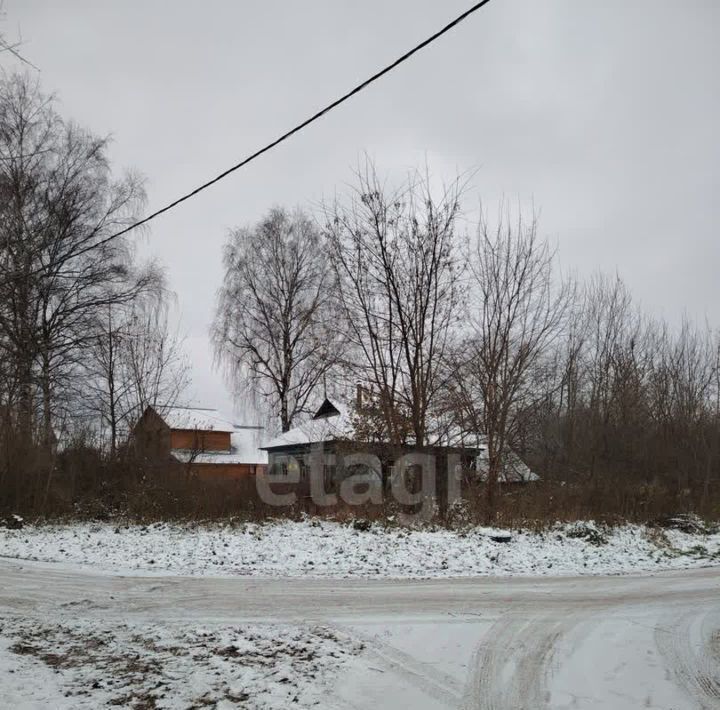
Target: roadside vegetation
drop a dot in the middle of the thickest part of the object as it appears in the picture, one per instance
(316, 547)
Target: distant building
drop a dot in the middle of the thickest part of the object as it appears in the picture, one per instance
(344, 455)
(201, 439)
(333, 427)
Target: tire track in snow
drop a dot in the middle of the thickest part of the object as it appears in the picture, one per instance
(690, 647)
(434, 683)
(511, 664)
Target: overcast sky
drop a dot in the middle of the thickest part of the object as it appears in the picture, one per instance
(602, 114)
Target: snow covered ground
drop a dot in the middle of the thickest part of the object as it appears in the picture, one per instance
(79, 663)
(318, 548)
(74, 638)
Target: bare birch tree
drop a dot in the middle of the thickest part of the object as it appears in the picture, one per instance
(272, 328)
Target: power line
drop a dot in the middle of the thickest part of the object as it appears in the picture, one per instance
(294, 130)
(12, 48)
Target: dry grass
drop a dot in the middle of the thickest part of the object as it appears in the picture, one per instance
(86, 485)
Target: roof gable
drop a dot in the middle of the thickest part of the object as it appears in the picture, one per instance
(328, 427)
(327, 409)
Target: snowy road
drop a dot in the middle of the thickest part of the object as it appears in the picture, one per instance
(592, 642)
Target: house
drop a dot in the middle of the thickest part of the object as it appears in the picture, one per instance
(334, 429)
(202, 440)
(331, 434)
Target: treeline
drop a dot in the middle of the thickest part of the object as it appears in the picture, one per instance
(84, 343)
(459, 336)
(473, 336)
(630, 400)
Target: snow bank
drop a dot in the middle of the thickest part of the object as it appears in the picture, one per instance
(327, 549)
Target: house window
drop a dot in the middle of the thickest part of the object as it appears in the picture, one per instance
(279, 468)
(285, 466)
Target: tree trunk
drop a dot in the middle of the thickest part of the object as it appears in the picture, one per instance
(47, 433)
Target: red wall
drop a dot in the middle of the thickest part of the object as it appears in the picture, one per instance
(200, 440)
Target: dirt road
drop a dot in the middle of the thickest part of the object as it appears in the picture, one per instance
(590, 642)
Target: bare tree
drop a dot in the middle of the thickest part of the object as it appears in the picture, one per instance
(516, 310)
(684, 402)
(108, 388)
(394, 258)
(634, 406)
(59, 202)
(60, 199)
(614, 361)
(134, 361)
(157, 368)
(272, 327)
